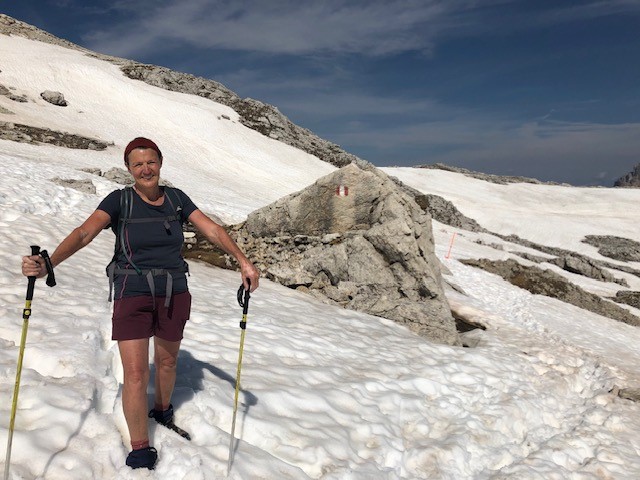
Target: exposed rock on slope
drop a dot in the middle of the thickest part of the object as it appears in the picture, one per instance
(254, 114)
(618, 248)
(628, 297)
(560, 252)
(354, 238)
(546, 282)
(54, 98)
(35, 135)
(445, 212)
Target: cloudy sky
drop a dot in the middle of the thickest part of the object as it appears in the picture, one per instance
(542, 88)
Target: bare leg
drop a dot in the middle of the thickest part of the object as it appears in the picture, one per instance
(166, 359)
(135, 361)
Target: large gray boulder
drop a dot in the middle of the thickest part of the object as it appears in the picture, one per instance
(354, 238)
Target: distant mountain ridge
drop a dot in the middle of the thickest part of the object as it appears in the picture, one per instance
(488, 177)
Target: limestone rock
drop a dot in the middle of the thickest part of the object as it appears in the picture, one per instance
(354, 238)
(18, 132)
(54, 98)
(618, 248)
(585, 266)
(551, 284)
(85, 186)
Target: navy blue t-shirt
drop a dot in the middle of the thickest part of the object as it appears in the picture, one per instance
(150, 244)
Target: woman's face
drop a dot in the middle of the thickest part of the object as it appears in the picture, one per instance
(144, 165)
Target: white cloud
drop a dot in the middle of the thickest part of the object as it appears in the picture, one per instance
(290, 27)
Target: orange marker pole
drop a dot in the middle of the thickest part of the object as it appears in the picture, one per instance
(453, 237)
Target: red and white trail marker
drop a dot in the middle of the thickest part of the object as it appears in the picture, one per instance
(342, 190)
(453, 237)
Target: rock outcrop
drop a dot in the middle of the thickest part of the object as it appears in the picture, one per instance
(54, 98)
(18, 132)
(630, 180)
(6, 92)
(628, 297)
(355, 239)
(84, 186)
(259, 116)
(551, 284)
(582, 265)
(618, 248)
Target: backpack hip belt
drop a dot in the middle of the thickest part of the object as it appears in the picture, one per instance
(149, 273)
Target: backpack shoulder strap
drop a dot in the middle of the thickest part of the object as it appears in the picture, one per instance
(126, 208)
(177, 206)
(126, 204)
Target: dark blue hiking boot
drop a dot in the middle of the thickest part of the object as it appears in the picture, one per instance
(143, 458)
(165, 418)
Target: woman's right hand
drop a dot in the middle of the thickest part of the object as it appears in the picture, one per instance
(33, 266)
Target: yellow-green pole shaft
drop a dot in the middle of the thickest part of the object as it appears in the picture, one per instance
(235, 401)
(16, 388)
(26, 313)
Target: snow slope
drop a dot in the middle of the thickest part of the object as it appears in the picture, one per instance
(327, 393)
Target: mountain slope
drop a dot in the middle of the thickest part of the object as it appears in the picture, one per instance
(259, 116)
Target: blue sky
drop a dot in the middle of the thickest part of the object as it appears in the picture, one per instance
(540, 88)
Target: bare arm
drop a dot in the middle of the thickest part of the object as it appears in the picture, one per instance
(77, 239)
(219, 236)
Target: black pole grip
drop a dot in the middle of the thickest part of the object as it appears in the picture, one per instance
(35, 250)
(51, 277)
(247, 296)
(244, 302)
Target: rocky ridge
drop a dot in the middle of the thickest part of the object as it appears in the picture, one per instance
(630, 180)
(259, 116)
(487, 177)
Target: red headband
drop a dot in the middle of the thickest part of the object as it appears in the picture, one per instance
(140, 142)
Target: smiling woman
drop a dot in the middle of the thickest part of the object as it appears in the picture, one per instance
(148, 275)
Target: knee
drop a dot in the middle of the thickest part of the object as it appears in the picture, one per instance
(136, 376)
(166, 363)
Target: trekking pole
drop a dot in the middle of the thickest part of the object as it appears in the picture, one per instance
(244, 303)
(26, 313)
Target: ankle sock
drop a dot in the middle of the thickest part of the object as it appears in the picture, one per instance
(139, 444)
(162, 416)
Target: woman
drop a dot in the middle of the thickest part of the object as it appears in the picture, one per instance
(148, 275)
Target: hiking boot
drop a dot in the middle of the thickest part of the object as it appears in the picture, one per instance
(163, 417)
(143, 458)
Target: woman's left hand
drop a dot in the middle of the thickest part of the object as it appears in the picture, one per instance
(250, 272)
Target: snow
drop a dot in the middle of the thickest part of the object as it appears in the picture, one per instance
(326, 393)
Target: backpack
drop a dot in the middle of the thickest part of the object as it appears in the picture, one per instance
(126, 208)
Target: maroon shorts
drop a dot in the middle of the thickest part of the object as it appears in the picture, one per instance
(135, 317)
